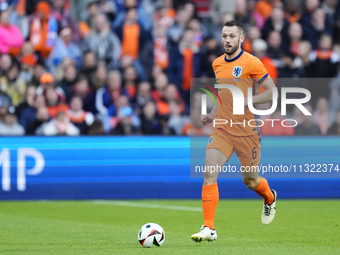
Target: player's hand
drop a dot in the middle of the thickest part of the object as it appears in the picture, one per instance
(206, 119)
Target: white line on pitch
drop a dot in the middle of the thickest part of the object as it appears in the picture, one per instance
(146, 205)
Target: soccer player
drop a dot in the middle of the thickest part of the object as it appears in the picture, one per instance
(243, 70)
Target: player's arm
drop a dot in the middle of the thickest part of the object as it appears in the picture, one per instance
(266, 96)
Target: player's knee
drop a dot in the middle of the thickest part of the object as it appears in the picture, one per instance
(251, 183)
(209, 181)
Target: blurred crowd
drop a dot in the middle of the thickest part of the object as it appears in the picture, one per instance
(123, 67)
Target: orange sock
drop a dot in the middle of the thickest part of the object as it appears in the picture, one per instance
(210, 197)
(264, 191)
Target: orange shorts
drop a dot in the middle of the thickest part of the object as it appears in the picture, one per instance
(247, 148)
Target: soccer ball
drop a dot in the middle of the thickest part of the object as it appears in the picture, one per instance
(151, 235)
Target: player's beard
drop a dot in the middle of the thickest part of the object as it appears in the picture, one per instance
(234, 49)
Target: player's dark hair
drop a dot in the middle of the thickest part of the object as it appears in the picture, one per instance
(234, 23)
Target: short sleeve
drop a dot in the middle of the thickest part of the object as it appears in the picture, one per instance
(258, 71)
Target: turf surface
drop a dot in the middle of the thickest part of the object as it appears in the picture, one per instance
(73, 227)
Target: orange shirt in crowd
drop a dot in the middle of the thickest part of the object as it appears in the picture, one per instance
(130, 42)
(264, 8)
(188, 56)
(131, 90)
(293, 18)
(39, 30)
(53, 110)
(247, 46)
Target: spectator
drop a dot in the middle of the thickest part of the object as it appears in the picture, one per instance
(172, 94)
(165, 129)
(5, 63)
(13, 85)
(82, 90)
(89, 65)
(80, 118)
(253, 33)
(105, 96)
(324, 60)
(306, 126)
(41, 117)
(219, 7)
(155, 52)
(5, 103)
(311, 6)
(125, 125)
(161, 82)
(143, 19)
(79, 9)
(329, 7)
(292, 13)
(127, 61)
(87, 16)
(9, 126)
(275, 45)
(211, 51)
(38, 70)
(265, 8)
(130, 81)
(165, 15)
(64, 47)
(290, 70)
(103, 42)
(176, 120)
(27, 67)
(321, 115)
(69, 79)
(304, 50)
(96, 128)
(11, 39)
(312, 31)
(53, 102)
(335, 128)
(60, 125)
(241, 14)
(256, 17)
(149, 122)
(61, 11)
(132, 35)
(28, 115)
(199, 31)
(150, 6)
(30, 98)
(46, 82)
(99, 78)
(295, 36)
(59, 73)
(259, 49)
(185, 63)
(175, 32)
(143, 95)
(44, 29)
(276, 22)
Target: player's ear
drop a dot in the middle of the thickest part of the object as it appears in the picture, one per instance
(242, 38)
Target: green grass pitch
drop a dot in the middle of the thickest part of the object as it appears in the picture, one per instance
(84, 227)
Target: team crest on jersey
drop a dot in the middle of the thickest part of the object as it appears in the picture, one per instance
(210, 140)
(237, 71)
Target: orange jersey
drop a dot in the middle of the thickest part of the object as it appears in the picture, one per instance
(244, 71)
